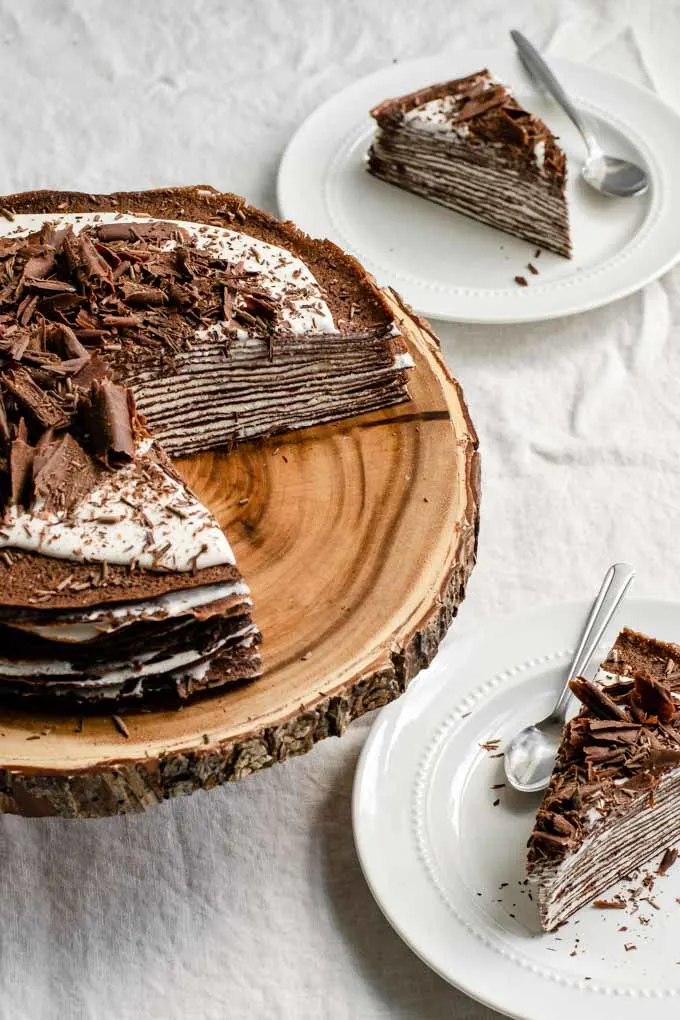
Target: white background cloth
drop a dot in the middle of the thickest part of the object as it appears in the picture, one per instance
(248, 901)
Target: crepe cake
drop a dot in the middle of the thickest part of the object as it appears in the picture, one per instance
(612, 802)
(469, 145)
(117, 584)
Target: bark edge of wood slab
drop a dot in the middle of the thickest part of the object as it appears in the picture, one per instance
(340, 639)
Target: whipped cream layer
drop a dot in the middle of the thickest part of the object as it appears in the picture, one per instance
(88, 625)
(145, 664)
(438, 117)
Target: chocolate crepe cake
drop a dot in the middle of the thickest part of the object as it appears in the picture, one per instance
(612, 802)
(469, 145)
(129, 331)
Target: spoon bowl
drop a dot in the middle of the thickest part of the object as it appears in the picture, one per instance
(530, 758)
(615, 177)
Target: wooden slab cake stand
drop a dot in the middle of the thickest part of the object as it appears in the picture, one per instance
(357, 540)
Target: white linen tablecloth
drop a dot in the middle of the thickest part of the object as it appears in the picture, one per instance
(249, 901)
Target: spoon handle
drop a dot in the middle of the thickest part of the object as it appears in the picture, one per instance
(541, 73)
(614, 587)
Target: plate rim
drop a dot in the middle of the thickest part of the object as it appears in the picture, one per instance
(386, 720)
(477, 311)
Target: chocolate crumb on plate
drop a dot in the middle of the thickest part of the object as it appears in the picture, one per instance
(667, 861)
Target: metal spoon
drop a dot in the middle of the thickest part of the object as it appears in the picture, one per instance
(530, 756)
(607, 174)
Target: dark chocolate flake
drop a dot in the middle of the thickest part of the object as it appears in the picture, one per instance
(667, 861)
(109, 413)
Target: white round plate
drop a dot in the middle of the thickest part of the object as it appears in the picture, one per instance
(445, 862)
(451, 267)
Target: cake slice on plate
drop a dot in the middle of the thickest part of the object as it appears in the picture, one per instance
(129, 332)
(469, 145)
(613, 802)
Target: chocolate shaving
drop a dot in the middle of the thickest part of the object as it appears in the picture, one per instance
(120, 726)
(653, 698)
(667, 861)
(50, 286)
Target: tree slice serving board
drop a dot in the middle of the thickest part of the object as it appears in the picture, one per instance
(357, 540)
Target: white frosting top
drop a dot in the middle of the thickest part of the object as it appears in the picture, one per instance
(173, 531)
(280, 273)
(436, 117)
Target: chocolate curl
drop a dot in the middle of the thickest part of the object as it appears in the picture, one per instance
(54, 236)
(157, 230)
(595, 700)
(68, 342)
(36, 401)
(511, 129)
(667, 861)
(50, 286)
(20, 467)
(94, 264)
(653, 698)
(109, 413)
(84, 260)
(38, 267)
(139, 296)
(119, 232)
